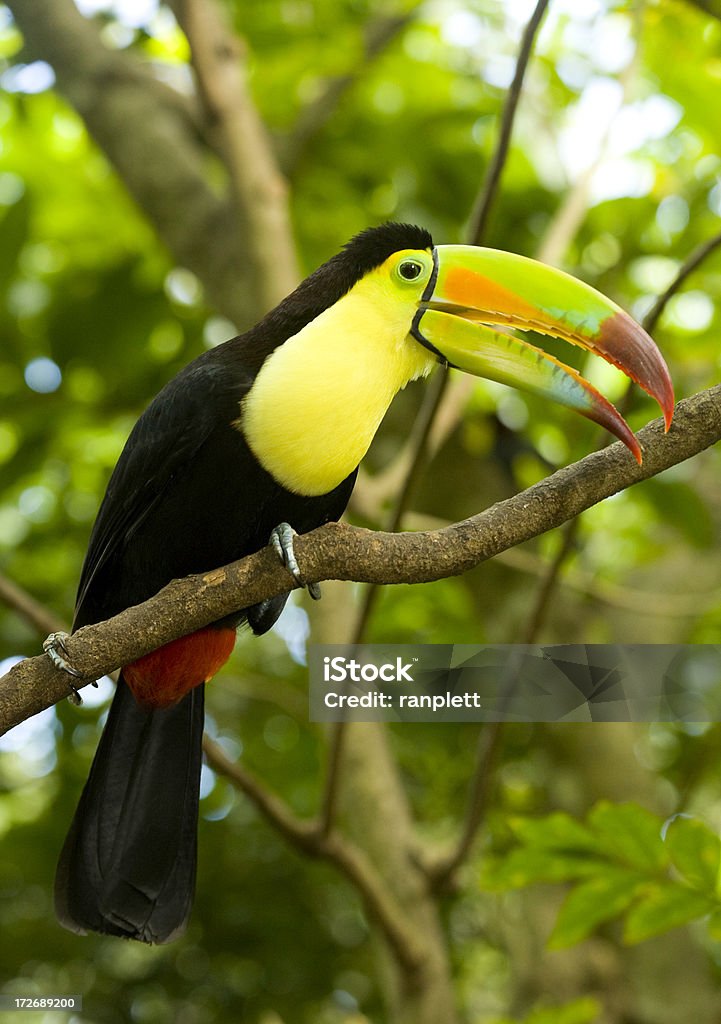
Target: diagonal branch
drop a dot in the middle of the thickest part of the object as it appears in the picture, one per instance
(349, 859)
(308, 836)
(148, 133)
(418, 444)
(261, 191)
(692, 263)
(40, 617)
(487, 196)
(379, 34)
(342, 552)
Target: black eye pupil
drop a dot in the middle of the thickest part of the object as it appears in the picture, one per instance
(410, 271)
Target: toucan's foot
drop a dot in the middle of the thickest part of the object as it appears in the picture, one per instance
(52, 646)
(282, 540)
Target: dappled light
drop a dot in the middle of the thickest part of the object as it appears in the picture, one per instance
(161, 188)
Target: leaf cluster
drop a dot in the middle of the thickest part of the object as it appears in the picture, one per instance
(624, 863)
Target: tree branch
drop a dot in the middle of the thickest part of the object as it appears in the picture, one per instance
(307, 837)
(43, 620)
(487, 196)
(693, 262)
(260, 189)
(379, 34)
(310, 837)
(147, 132)
(442, 872)
(342, 552)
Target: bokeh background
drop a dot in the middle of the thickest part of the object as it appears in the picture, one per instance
(368, 111)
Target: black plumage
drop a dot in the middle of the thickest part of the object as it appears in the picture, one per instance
(186, 496)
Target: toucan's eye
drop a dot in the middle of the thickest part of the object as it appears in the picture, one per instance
(410, 270)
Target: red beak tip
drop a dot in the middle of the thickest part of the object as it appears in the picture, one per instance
(634, 447)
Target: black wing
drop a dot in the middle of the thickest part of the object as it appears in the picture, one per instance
(179, 421)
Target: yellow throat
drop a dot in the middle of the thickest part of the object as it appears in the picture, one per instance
(314, 407)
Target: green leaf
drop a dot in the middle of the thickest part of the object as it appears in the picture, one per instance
(664, 907)
(581, 1011)
(630, 834)
(556, 831)
(600, 899)
(695, 852)
(526, 866)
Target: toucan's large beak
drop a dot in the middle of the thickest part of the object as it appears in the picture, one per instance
(476, 296)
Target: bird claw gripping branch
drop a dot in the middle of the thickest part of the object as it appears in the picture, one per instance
(282, 540)
(52, 645)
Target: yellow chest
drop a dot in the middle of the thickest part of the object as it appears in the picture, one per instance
(319, 398)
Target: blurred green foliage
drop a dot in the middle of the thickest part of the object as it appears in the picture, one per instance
(626, 861)
(619, 114)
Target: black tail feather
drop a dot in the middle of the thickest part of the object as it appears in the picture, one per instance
(128, 864)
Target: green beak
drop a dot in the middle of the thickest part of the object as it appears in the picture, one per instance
(476, 296)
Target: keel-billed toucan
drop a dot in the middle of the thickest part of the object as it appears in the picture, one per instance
(266, 429)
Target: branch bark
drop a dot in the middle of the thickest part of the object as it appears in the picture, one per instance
(260, 189)
(487, 196)
(43, 620)
(310, 839)
(379, 34)
(342, 552)
(148, 133)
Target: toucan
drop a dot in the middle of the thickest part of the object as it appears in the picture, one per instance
(261, 437)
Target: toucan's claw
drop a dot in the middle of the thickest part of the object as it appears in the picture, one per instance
(52, 645)
(282, 540)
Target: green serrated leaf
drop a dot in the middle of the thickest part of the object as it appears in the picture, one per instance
(599, 899)
(695, 852)
(630, 834)
(527, 866)
(664, 907)
(555, 831)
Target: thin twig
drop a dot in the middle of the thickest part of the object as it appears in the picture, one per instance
(331, 791)
(569, 533)
(479, 220)
(441, 875)
(35, 613)
(487, 196)
(379, 33)
(433, 398)
(694, 261)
